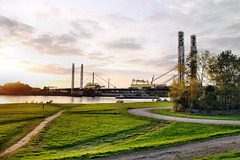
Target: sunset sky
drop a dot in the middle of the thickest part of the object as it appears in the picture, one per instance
(118, 39)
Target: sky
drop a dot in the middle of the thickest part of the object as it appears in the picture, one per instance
(120, 40)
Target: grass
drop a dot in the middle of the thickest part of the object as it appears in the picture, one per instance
(12, 132)
(73, 129)
(17, 120)
(168, 112)
(22, 112)
(231, 155)
(9, 130)
(100, 130)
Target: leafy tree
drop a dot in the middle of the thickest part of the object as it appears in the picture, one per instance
(210, 98)
(226, 74)
(222, 91)
(194, 94)
(179, 95)
(204, 60)
(17, 88)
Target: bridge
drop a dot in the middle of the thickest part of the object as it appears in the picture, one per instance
(97, 88)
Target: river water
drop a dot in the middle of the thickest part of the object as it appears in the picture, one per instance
(65, 99)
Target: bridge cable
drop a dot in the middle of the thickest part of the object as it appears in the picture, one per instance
(169, 79)
(105, 81)
(87, 78)
(164, 74)
(99, 81)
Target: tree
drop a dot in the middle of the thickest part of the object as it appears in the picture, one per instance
(194, 94)
(210, 98)
(204, 60)
(225, 72)
(17, 88)
(223, 86)
(179, 95)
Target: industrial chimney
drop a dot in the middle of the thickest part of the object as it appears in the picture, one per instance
(193, 56)
(181, 56)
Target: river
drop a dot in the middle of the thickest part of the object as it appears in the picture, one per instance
(65, 99)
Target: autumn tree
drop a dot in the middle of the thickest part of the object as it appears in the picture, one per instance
(216, 86)
(179, 95)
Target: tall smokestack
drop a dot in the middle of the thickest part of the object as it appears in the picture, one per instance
(73, 70)
(193, 43)
(81, 81)
(181, 56)
(193, 56)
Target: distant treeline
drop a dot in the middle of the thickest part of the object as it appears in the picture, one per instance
(214, 88)
(19, 88)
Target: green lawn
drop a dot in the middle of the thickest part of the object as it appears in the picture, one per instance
(168, 112)
(22, 112)
(99, 130)
(17, 120)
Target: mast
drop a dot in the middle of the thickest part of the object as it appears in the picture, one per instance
(73, 71)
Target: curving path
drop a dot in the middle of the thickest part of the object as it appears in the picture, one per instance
(184, 151)
(144, 112)
(25, 140)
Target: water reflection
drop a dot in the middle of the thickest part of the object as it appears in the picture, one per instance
(65, 99)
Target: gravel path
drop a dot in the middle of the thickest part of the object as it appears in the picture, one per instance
(144, 112)
(25, 140)
(186, 151)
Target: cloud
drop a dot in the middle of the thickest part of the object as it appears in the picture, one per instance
(50, 69)
(62, 45)
(99, 56)
(84, 28)
(227, 43)
(118, 20)
(26, 62)
(165, 62)
(15, 28)
(125, 43)
(66, 39)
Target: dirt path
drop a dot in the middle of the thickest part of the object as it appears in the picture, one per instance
(186, 151)
(144, 112)
(25, 140)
